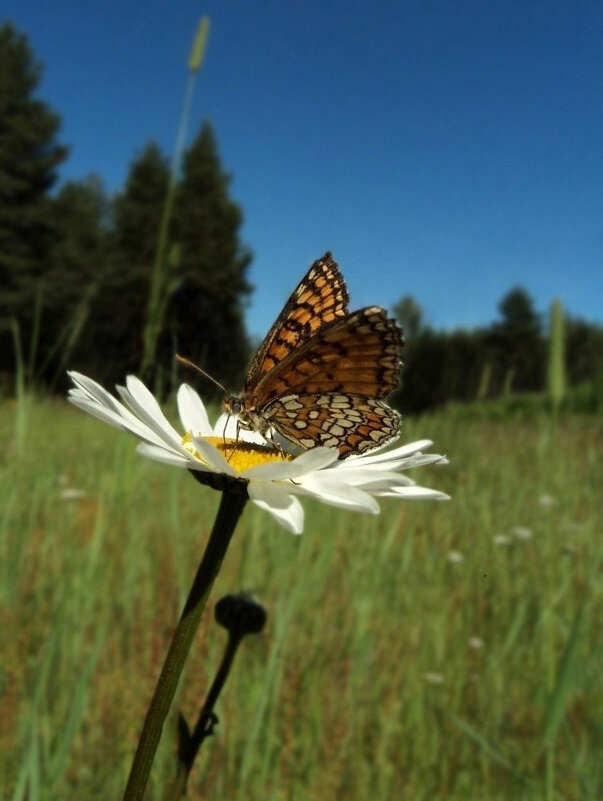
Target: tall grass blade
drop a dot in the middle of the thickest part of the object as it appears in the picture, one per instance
(161, 276)
(69, 335)
(28, 784)
(35, 335)
(21, 394)
(556, 371)
(19, 362)
(77, 711)
(198, 50)
(473, 734)
(508, 383)
(566, 679)
(484, 382)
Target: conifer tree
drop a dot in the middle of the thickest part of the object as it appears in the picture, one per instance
(517, 342)
(29, 156)
(205, 314)
(77, 264)
(80, 217)
(409, 314)
(122, 302)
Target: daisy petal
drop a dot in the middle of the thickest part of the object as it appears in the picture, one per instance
(309, 461)
(226, 426)
(418, 492)
(192, 412)
(336, 493)
(92, 390)
(402, 452)
(212, 456)
(140, 401)
(317, 458)
(161, 454)
(283, 506)
(115, 418)
(407, 462)
(368, 477)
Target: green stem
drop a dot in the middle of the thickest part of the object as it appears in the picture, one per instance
(231, 507)
(200, 730)
(161, 272)
(205, 722)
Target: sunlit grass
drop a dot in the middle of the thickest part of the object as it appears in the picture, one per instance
(366, 682)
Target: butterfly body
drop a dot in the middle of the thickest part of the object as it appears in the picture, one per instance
(320, 374)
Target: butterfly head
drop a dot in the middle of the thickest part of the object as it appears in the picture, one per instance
(247, 418)
(233, 404)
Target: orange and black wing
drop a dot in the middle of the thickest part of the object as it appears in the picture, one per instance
(321, 298)
(351, 423)
(356, 355)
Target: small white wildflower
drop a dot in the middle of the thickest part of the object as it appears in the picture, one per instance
(546, 501)
(476, 643)
(455, 557)
(522, 533)
(501, 539)
(434, 678)
(72, 494)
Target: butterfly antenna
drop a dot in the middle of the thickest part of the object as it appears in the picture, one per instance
(224, 437)
(188, 363)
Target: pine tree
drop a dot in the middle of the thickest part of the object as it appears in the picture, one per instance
(517, 342)
(79, 259)
(29, 156)
(205, 315)
(122, 302)
(80, 215)
(584, 351)
(409, 314)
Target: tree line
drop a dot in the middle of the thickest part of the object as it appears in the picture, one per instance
(508, 356)
(76, 266)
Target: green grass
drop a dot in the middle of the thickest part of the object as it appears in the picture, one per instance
(364, 684)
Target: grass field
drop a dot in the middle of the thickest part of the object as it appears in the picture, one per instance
(437, 651)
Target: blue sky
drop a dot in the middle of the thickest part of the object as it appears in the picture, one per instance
(447, 150)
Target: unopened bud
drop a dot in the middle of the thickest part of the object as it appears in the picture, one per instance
(240, 614)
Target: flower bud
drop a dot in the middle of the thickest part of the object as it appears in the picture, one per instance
(240, 614)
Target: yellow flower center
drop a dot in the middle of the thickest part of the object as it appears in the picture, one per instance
(239, 454)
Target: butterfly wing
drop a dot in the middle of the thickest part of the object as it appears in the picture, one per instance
(356, 355)
(320, 299)
(351, 423)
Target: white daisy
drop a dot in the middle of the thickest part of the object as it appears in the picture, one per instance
(271, 479)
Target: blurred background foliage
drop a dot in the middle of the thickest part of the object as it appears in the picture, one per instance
(76, 267)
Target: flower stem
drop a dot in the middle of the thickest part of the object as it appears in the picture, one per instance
(231, 507)
(191, 743)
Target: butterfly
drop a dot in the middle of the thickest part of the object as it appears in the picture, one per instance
(319, 376)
